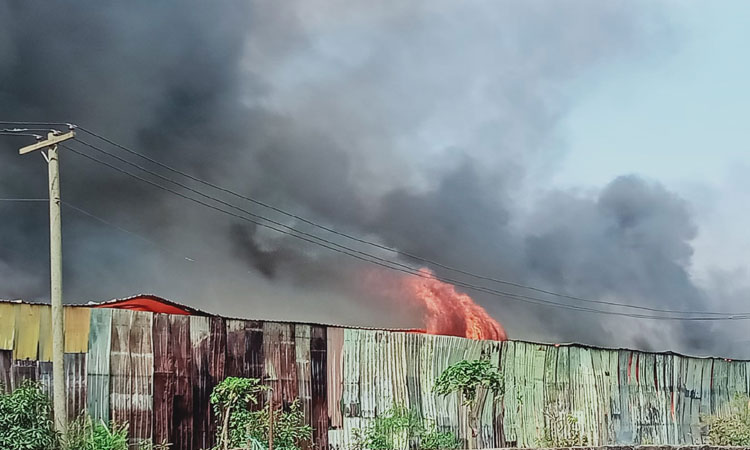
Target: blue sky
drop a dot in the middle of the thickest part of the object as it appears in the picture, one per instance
(679, 115)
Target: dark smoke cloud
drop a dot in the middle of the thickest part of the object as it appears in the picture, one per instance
(426, 126)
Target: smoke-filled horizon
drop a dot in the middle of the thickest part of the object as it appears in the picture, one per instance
(428, 127)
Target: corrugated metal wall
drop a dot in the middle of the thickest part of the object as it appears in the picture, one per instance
(157, 371)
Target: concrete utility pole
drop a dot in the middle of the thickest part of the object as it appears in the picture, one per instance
(55, 257)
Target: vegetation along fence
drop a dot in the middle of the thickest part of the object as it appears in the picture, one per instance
(156, 371)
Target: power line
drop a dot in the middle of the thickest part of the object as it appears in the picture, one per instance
(403, 268)
(67, 124)
(119, 228)
(375, 244)
(24, 200)
(14, 133)
(409, 268)
(331, 230)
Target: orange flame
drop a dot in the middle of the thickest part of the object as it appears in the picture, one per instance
(449, 312)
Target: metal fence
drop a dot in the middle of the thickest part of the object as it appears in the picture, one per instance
(156, 371)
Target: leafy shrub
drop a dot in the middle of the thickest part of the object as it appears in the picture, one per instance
(732, 429)
(240, 427)
(26, 419)
(562, 431)
(473, 380)
(432, 439)
(398, 427)
(469, 378)
(232, 400)
(397, 423)
(87, 434)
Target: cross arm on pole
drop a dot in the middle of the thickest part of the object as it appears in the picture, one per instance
(52, 139)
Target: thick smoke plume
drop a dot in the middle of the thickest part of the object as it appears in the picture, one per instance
(425, 126)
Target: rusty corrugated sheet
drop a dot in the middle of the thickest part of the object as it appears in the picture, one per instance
(98, 361)
(75, 383)
(131, 370)
(216, 367)
(244, 355)
(334, 375)
(23, 369)
(303, 369)
(319, 386)
(208, 339)
(142, 368)
(121, 398)
(45, 377)
(200, 334)
(181, 348)
(280, 361)
(164, 379)
(6, 361)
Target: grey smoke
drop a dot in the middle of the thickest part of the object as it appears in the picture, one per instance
(426, 126)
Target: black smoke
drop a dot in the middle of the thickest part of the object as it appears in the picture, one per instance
(427, 127)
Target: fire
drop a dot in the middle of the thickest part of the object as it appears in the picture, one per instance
(449, 312)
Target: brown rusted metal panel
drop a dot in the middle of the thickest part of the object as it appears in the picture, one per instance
(5, 370)
(23, 369)
(236, 361)
(75, 383)
(244, 355)
(319, 385)
(164, 379)
(120, 386)
(142, 366)
(334, 375)
(216, 367)
(131, 360)
(207, 337)
(304, 377)
(45, 378)
(182, 413)
(280, 361)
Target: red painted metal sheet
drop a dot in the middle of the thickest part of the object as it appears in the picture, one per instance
(75, 383)
(164, 379)
(318, 369)
(181, 353)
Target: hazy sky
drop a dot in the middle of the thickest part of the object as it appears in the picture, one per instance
(678, 114)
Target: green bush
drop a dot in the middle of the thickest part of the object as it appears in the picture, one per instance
(470, 378)
(87, 434)
(562, 431)
(241, 427)
(432, 439)
(732, 429)
(26, 419)
(473, 380)
(398, 427)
